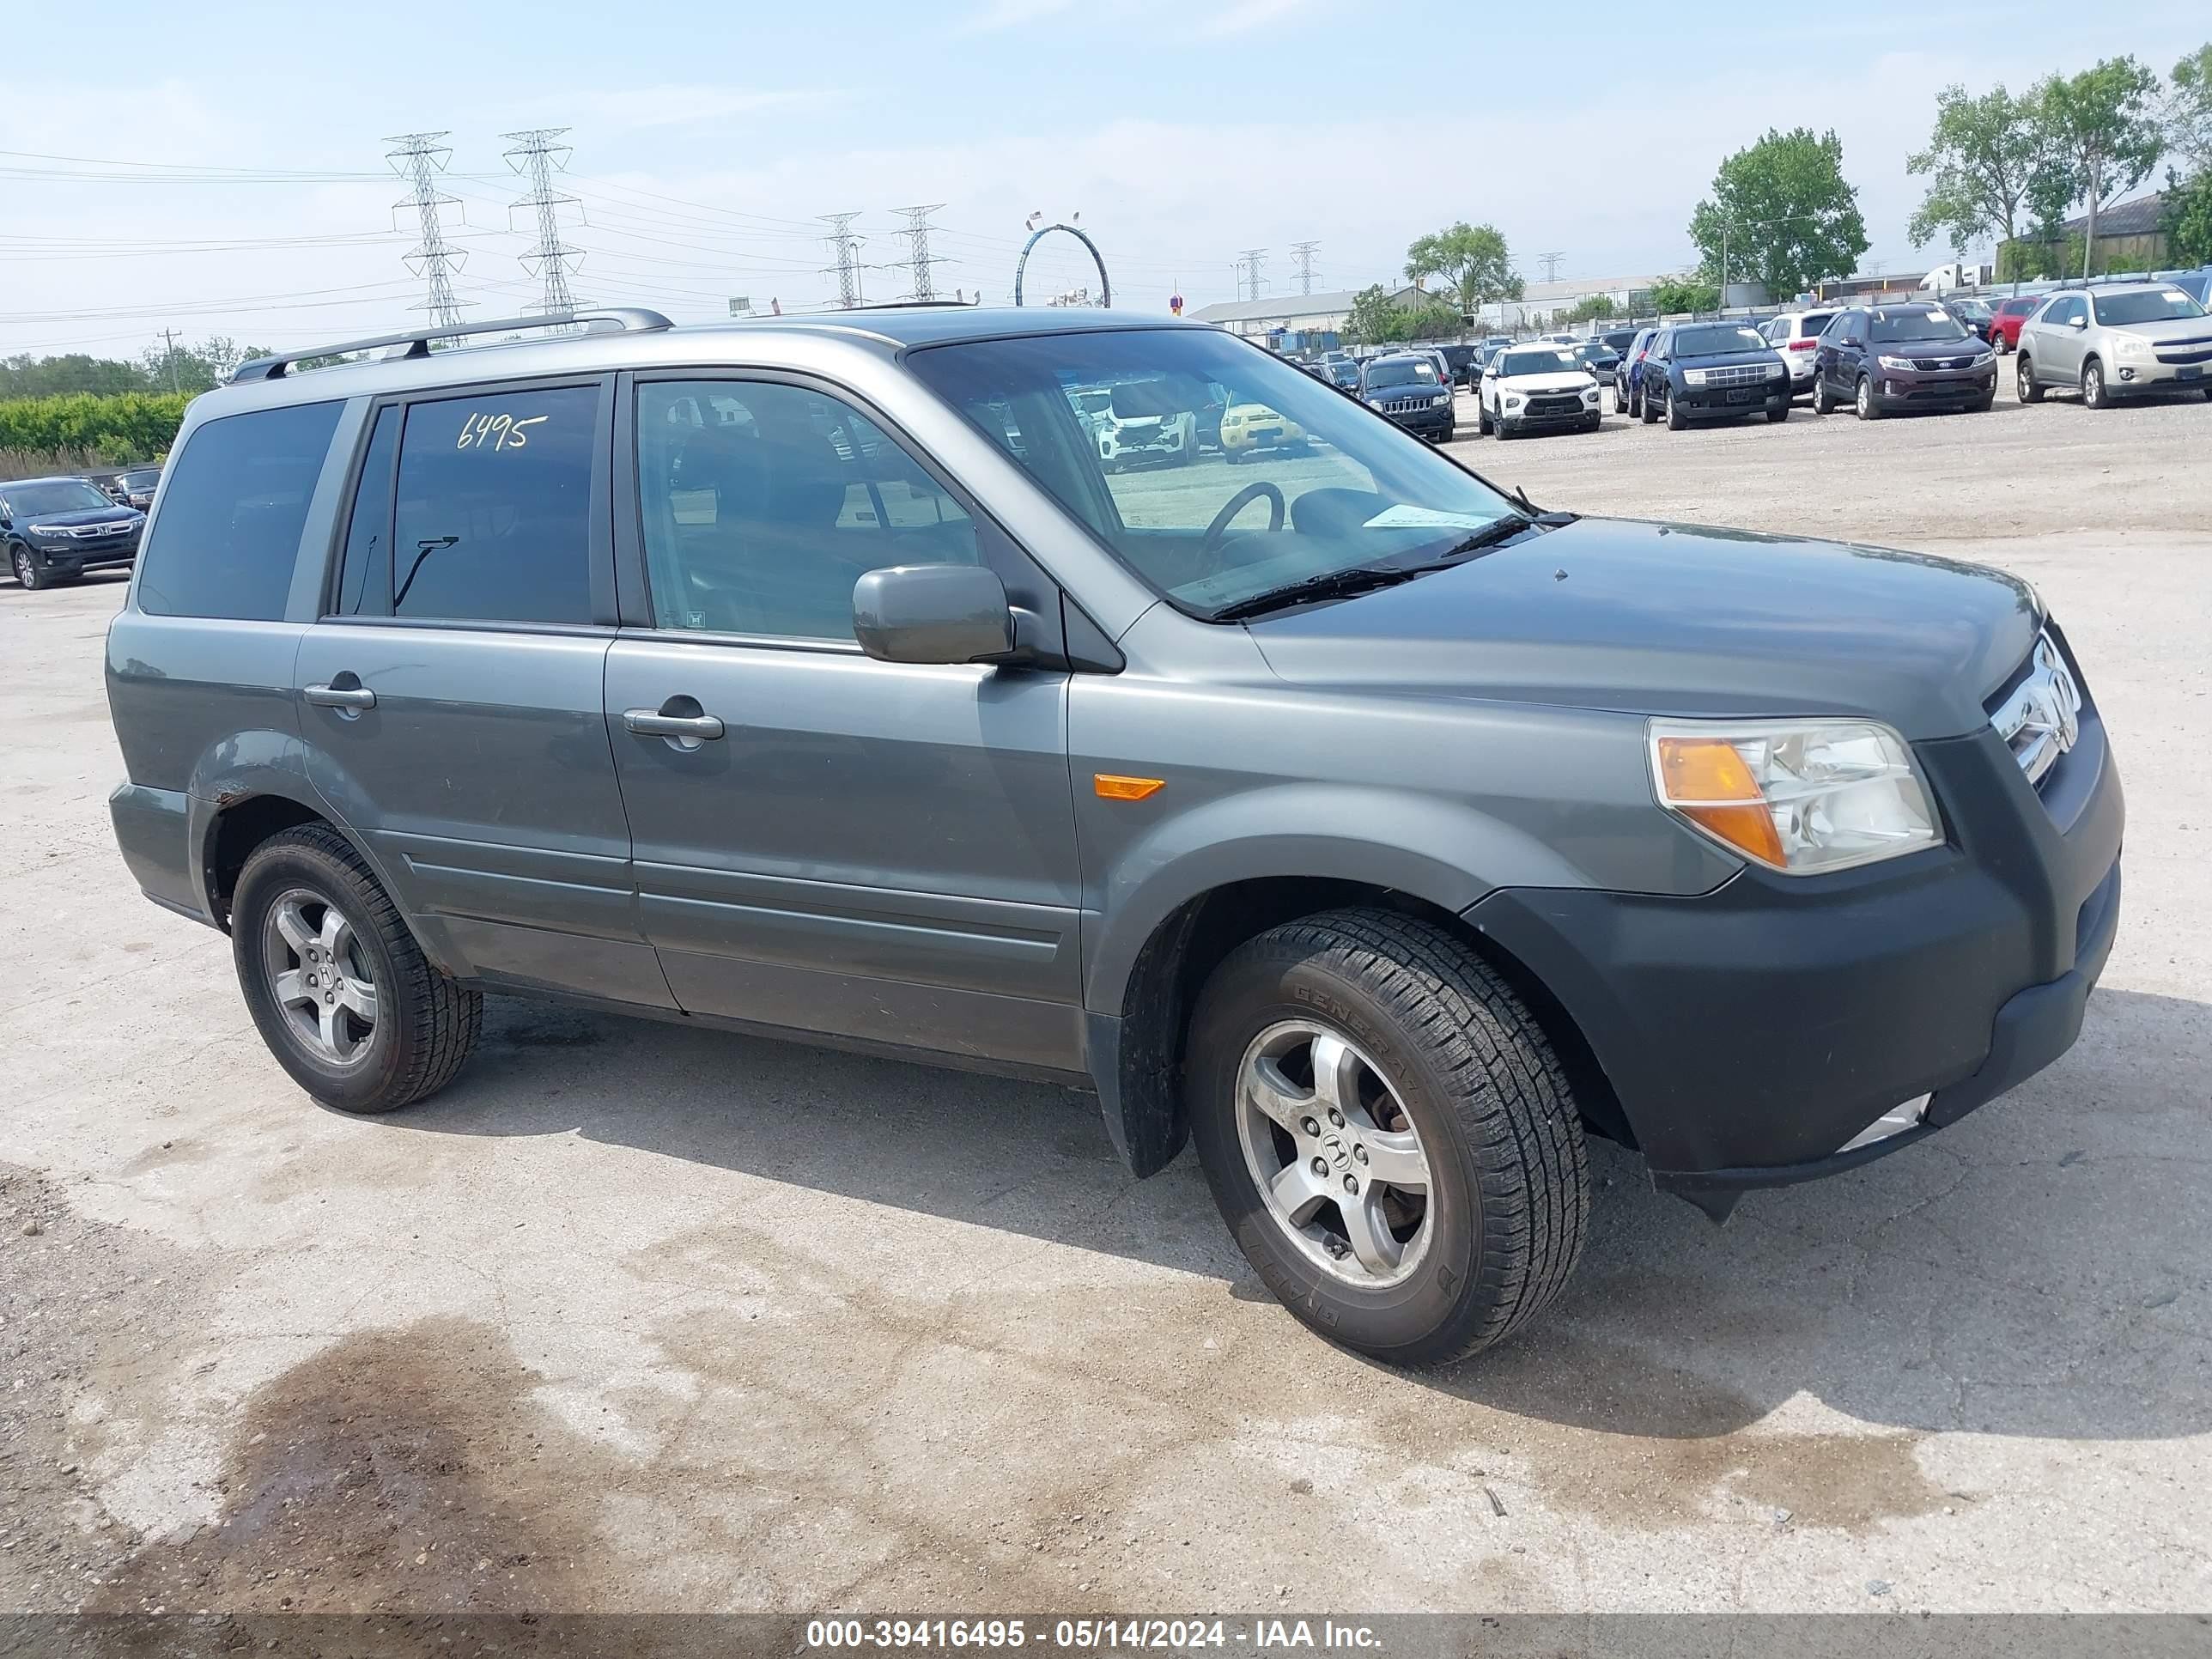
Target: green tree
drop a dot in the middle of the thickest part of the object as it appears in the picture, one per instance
(1592, 308)
(1781, 214)
(26, 376)
(2189, 110)
(1673, 295)
(2188, 217)
(1989, 165)
(2106, 126)
(1378, 318)
(1473, 259)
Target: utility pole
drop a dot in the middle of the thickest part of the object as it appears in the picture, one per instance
(847, 247)
(419, 158)
(1303, 254)
(1551, 263)
(1248, 264)
(537, 158)
(169, 355)
(917, 242)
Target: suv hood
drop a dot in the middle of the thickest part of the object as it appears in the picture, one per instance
(1566, 379)
(1680, 620)
(113, 512)
(2174, 331)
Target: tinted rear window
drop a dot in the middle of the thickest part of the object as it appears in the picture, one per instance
(228, 533)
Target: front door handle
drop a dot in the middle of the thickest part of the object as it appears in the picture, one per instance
(356, 696)
(652, 723)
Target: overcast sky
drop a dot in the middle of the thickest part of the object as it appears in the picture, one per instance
(707, 138)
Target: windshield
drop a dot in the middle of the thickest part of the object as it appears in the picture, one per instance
(1318, 484)
(1535, 362)
(1714, 338)
(1596, 352)
(2160, 305)
(1914, 322)
(1401, 371)
(143, 480)
(62, 495)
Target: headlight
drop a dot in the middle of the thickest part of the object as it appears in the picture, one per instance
(1803, 797)
(1513, 400)
(2134, 350)
(48, 529)
(1902, 364)
(1440, 400)
(1590, 396)
(1775, 371)
(1694, 376)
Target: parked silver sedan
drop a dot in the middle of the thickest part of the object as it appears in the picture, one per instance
(2111, 342)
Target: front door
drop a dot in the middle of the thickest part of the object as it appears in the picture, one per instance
(451, 696)
(823, 842)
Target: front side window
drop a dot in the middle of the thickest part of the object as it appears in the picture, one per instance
(1300, 483)
(492, 520)
(228, 533)
(761, 504)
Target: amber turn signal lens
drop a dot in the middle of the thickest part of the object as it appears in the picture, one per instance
(1704, 778)
(1112, 787)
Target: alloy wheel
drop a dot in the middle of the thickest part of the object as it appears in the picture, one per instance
(2093, 386)
(319, 977)
(1337, 1160)
(19, 557)
(1865, 397)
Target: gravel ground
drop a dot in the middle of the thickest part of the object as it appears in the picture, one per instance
(637, 1319)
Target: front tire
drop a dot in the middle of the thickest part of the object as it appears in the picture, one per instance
(1482, 427)
(1776, 417)
(1455, 1194)
(31, 569)
(2093, 393)
(1676, 420)
(341, 994)
(2024, 380)
(1866, 405)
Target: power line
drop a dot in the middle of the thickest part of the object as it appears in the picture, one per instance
(1303, 254)
(917, 242)
(419, 159)
(847, 247)
(537, 157)
(1249, 263)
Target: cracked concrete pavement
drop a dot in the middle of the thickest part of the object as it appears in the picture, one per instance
(637, 1318)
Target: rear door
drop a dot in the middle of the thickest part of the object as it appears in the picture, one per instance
(451, 692)
(874, 851)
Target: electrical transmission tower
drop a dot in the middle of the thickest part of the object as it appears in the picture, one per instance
(1550, 262)
(1247, 271)
(847, 247)
(918, 254)
(1303, 254)
(537, 158)
(419, 158)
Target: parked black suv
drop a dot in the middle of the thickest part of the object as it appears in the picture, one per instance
(1884, 360)
(1712, 371)
(53, 530)
(1406, 386)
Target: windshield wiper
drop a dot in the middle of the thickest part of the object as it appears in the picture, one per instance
(1366, 578)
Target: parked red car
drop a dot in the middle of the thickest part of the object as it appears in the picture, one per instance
(2005, 318)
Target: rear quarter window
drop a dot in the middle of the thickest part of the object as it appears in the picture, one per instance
(227, 535)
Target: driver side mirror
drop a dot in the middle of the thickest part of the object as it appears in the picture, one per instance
(2077, 320)
(932, 613)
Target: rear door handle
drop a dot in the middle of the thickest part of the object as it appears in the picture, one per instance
(651, 723)
(341, 697)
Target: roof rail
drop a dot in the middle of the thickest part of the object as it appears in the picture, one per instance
(625, 318)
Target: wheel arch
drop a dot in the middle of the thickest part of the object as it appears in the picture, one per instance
(1138, 1051)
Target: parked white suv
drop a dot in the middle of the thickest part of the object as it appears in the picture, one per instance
(1535, 387)
(2111, 341)
(1795, 334)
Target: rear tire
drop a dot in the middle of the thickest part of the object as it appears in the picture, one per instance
(1449, 1078)
(307, 978)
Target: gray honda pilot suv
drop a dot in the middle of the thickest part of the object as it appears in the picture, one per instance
(1376, 831)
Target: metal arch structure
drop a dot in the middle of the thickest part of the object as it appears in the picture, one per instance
(1105, 286)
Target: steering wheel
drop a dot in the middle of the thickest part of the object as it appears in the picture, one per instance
(1243, 498)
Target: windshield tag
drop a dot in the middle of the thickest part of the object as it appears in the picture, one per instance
(1403, 517)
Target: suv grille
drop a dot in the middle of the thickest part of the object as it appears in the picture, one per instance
(1557, 403)
(1408, 406)
(1941, 362)
(1736, 374)
(2041, 719)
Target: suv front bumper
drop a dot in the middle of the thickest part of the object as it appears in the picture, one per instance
(1751, 1034)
